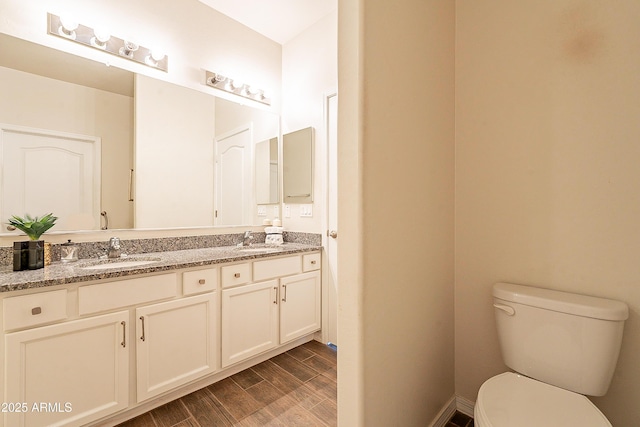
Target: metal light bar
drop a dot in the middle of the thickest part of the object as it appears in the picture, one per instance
(230, 85)
(103, 41)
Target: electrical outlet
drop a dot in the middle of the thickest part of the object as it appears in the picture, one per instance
(262, 211)
(287, 211)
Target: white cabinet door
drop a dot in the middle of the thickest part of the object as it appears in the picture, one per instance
(175, 343)
(68, 374)
(299, 305)
(249, 321)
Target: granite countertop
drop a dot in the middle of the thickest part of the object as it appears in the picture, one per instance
(59, 273)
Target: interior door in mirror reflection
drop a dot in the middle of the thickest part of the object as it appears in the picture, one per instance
(48, 171)
(233, 172)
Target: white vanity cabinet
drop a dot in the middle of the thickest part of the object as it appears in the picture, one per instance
(85, 354)
(249, 321)
(69, 373)
(175, 343)
(283, 305)
(299, 305)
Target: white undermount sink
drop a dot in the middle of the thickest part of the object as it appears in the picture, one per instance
(122, 263)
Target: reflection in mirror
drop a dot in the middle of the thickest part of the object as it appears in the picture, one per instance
(50, 90)
(267, 171)
(59, 97)
(297, 166)
(238, 129)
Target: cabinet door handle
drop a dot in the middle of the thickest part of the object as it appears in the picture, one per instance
(275, 300)
(124, 334)
(142, 319)
(36, 310)
(131, 185)
(237, 275)
(202, 281)
(284, 294)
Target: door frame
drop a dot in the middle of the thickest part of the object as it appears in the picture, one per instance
(327, 96)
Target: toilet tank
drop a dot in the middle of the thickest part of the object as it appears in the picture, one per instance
(568, 340)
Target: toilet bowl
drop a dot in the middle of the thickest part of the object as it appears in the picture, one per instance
(512, 400)
(562, 346)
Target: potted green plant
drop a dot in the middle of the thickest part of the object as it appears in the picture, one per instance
(33, 228)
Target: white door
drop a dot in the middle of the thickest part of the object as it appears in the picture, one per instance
(331, 238)
(249, 321)
(299, 305)
(175, 343)
(46, 171)
(80, 368)
(234, 177)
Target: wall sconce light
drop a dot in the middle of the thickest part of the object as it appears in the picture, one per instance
(236, 87)
(101, 39)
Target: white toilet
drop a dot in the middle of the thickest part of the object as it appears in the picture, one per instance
(562, 346)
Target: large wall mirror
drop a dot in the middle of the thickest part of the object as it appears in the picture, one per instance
(169, 156)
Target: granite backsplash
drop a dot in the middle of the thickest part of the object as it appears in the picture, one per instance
(164, 244)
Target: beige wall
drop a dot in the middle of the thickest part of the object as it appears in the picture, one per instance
(309, 73)
(396, 175)
(43, 103)
(547, 172)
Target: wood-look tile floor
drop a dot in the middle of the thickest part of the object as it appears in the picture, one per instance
(297, 388)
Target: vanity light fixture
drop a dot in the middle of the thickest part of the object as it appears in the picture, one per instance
(236, 87)
(101, 39)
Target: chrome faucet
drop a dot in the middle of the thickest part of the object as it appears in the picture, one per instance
(114, 248)
(247, 238)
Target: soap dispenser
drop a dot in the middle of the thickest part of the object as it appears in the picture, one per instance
(68, 252)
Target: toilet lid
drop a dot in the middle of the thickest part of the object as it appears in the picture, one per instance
(512, 400)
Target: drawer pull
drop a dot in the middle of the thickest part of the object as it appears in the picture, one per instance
(36, 310)
(275, 301)
(236, 275)
(201, 282)
(142, 319)
(284, 296)
(124, 334)
(313, 262)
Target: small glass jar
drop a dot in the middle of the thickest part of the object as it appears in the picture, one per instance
(68, 252)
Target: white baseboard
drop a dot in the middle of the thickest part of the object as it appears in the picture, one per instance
(445, 413)
(465, 406)
(456, 403)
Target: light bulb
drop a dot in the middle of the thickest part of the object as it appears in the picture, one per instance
(69, 23)
(157, 55)
(100, 38)
(68, 27)
(237, 84)
(102, 35)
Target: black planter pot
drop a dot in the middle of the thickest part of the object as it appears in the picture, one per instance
(20, 256)
(36, 254)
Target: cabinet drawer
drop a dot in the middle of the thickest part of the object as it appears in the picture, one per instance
(311, 262)
(35, 309)
(272, 268)
(107, 296)
(194, 282)
(237, 274)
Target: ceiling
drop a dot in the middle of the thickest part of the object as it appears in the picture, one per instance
(279, 20)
